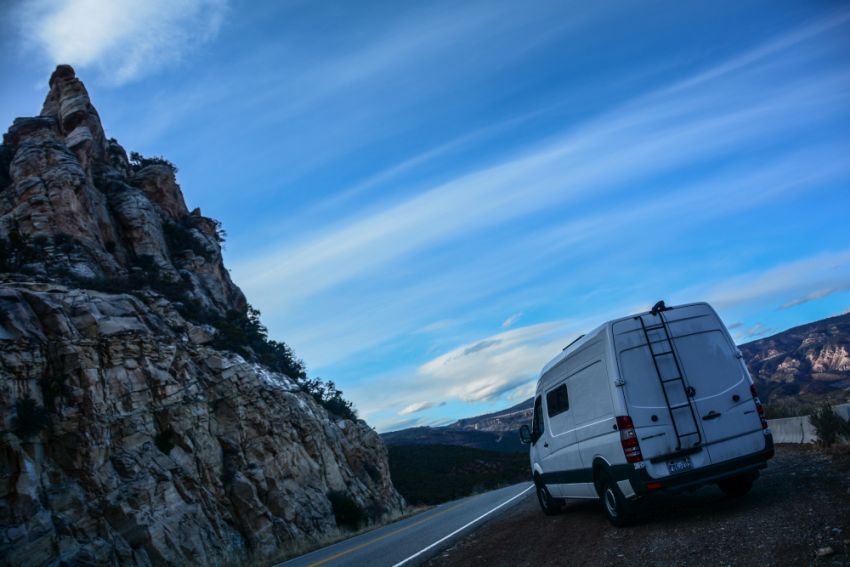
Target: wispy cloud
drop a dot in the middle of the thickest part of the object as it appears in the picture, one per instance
(509, 322)
(815, 295)
(123, 39)
(419, 406)
(820, 271)
(601, 155)
(495, 365)
(757, 330)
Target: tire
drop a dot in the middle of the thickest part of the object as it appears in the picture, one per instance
(617, 509)
(736, 486)
(550, 505)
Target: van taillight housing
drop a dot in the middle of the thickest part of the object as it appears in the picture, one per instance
(628, 438)
(759, 407)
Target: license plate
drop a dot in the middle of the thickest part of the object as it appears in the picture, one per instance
(679, 465)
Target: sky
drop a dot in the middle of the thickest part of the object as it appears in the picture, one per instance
(428, 200)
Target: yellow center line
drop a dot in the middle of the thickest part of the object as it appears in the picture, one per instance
(368, 543)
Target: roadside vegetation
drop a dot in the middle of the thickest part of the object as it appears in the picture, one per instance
(431, 474)
(831, 428)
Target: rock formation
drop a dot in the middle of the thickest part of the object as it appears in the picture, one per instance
(809, 363)
(132, 434)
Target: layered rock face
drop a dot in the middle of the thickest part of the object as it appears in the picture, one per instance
(811, 362)
(127, 438)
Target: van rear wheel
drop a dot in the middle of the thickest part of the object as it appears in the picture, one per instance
(550, 505)
(736, 486)
(617, 509)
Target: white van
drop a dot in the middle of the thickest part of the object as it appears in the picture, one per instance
(660, 401)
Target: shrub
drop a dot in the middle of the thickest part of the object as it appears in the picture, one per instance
(347, 513)
(138, 161)
(165, 440)
(15, 251)
(180, 238)
(244, 334)
(30, 418)
(64, 242)
(787, 408)
(330, 397)
(53, 386)
(829, 426)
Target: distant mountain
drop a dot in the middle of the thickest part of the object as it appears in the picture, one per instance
(493, 431)
(803, 365)
(809, 363)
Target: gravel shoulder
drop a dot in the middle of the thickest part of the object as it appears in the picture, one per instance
(800, 505)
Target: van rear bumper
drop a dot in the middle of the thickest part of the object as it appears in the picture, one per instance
(644, 484)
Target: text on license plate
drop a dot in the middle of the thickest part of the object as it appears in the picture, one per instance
(679, 465)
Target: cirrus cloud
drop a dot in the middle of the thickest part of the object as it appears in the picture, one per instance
(124, 39)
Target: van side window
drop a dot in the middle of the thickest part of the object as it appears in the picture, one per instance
(557, 400)
(537, 424)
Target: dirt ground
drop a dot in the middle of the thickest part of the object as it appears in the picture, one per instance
(797, 509)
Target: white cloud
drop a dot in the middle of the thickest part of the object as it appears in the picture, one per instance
(825, 270)
(814, 296)
(420, 406)
(488, 368)
(124, 39)
(509, 322)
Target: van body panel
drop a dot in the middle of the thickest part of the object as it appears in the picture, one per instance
(614, 371)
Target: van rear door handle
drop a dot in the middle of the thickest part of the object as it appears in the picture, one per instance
(711, 415)
(546, 444)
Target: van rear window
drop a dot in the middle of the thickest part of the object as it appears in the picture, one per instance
(557, 400)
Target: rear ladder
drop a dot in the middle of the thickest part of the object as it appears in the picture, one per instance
(673, 383)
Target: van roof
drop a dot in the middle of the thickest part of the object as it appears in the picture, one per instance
(576, 345)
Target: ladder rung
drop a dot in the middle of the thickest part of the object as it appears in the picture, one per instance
(677, 378)
(679, 406)
(657, 354)
(654, 327)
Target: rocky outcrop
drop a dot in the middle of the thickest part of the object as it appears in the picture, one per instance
(130, 434)
(809, 362)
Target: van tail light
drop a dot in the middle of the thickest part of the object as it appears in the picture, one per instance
(759, 407)
(628, 438)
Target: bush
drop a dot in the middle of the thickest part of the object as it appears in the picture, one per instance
(432, 474)
(787, 408)
(64, 242)
(829, 426)
(30, 418)
(330, 397)
(347, 513)
(15, 251)
(138, 161)
(180, 238)
(165, 441)
(53, 386)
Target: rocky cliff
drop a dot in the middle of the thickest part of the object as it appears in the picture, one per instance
(809, 363)
(132, 431)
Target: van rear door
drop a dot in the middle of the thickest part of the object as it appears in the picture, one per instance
(714, 387)
(713, 367)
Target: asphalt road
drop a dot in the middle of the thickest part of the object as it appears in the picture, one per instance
(415, 539)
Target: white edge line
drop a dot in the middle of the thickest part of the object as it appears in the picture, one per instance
(460, 529)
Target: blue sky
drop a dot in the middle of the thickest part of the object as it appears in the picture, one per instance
(428, 200)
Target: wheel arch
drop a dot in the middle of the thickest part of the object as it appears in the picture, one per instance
(601, 468)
